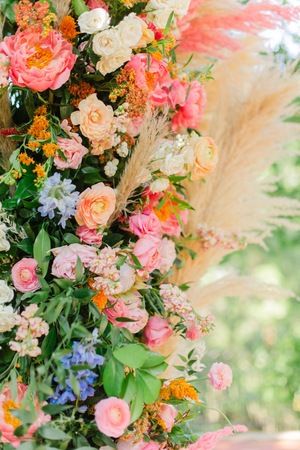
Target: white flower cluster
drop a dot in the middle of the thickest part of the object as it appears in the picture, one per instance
(159, 11)
(174, 157)
(7, 315)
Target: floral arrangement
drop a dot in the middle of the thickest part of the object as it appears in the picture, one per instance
(92, 227)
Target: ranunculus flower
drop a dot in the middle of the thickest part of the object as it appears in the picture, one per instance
(112, 416)
(64, 264)
(95, 206)
(94, 118)
(220, 376)
(147, 251)
(206, 156)
(157, 331)
(168, 414)
(9, 422)
(73, 152)
(88, 236)
(24, 275)
(38, 62)
(167, 252)
(92, 21)
(144, 224)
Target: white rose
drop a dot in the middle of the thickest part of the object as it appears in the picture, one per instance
(6, 293)
(107, 42)
(173, 164)
(7, 318)
(92, 21)
(160, 17)
(131, 30)
(111, 63)
(159, 185)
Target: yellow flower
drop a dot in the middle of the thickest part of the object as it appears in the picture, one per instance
(179, 389)
(50, 149)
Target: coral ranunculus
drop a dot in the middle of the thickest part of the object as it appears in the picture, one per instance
(112, 416)
(37, 62)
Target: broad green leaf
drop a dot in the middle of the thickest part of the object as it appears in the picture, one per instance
(41, 249)
(113, 377)
(149, 385)
(132, 355)
(153, 359)
(130, 388)
(70, 238)
(79, 7)
(53, 434)
(137, 405)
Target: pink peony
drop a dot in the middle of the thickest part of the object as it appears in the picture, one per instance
(93, 4)
(73, 152)
(9, 422)
(37, 62)
(132, 311)
(220, 376)
(24, 275)
(146, 250)
(112, 416)
(210, 440)
(168, 414)
(88, 236)
(142, 224)
(190, 112)
(168, 255)
(64, 264)
(157, 331)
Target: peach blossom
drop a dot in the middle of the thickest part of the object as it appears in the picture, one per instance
(73, 152)
(146, 250)
(37, 62)
(24, 275)
(88, 236)
(112, 416)
(157, 331)
(95, 206)
(168, 414)
(220, 376)
(94, 118)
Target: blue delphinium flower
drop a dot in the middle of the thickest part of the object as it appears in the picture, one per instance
(81, 355)
(58, 197)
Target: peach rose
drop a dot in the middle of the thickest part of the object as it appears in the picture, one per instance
(168, 414)
(94, 117)
(157, 331)
(24, 275)
(95, 206)
(112, 416)
(206, 156)
(38, 62)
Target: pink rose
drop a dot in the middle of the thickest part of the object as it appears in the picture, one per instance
(146, 250)
(9, 422)
(73, 152)
(24, 275)
(93, 4)
(157, 331)
(112, 416)
(88, 236)
(168, 414)
(220, 376)
(142, 224)
(168, 255)
(95, 206)
(64, 264)
(133, 311)
(38, 62)
(190, 113)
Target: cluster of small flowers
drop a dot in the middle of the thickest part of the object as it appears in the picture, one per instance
(7, 315)
(30, 328)
(105, 266)
(176, 301)
(215, 237)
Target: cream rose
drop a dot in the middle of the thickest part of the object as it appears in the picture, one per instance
(106, 42)
(131, 30)
(205, 156)
(6, 293)
(111, 63)
(94, 118)
(92, 21)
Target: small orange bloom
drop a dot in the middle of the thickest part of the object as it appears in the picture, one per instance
(40, 171)
(33, 145)
(50, 149)
(179, 389)
(100, 300)
(25, 159)
(68, 28)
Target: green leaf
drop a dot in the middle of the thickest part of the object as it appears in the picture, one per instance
(26, 245)
(132, 355)
(70, 238)
(153, 359)
(79, 7)
(79, 270)
(41, 249)
(149, 385)
(130, 388)
(113, 377)
(137, 405)
(53, 434)
(55, 409)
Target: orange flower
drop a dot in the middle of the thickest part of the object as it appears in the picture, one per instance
(39, 127)
(179, 389)
(68, 28)
(50, 149)
(25, 159)
(40, 171)
(33, 145)
(100, 300)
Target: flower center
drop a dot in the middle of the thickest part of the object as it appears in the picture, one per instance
(40, 59)
(115, 415)
(95, 116)
(25, 275)
(98, 207)
(9, 418)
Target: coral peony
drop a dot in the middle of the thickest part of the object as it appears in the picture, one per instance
(112, 416)
(95, 206)
(191, 110)
(157, 331)
(24, 275)
(9, 422)
(37, 62)
(220, 376)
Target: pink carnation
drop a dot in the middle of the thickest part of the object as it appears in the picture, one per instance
(220, 376)
(88, 236)
(210, 440)
(73, 152)
(24, 275)
(112, 416)
(37, 62)
(7, 427)
(143, 224)
(157, 331)
(146, 250)
(64, 264)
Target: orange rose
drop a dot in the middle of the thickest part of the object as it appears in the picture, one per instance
(95, 206)
(206, 157)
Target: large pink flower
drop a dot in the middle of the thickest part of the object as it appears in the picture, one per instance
(9, 422)
(143, 224)
(220, 376)
(157, 331)
(190, 108)
(168, 414)
(64, 264)
(73, 151)
(37, 62)
(146, 250)
(24, 275)
(88, 236)
(112, 416)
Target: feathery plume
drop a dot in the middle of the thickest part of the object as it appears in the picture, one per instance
(62, 8)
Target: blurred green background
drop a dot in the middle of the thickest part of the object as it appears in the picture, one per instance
(260, 339)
